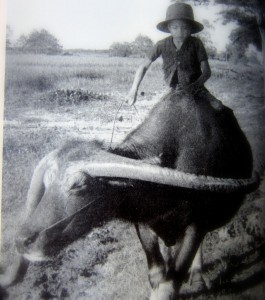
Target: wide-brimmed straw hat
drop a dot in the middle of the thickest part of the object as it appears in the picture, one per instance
(180, 11)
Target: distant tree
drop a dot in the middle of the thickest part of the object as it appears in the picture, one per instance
(8, 37)
(239, 42)
(121, 49)
(253, 55)
(246, 33)
(236, 53)
(141, 45)
(206, 38)
(250, 18)
(39, 42)
(21, 42)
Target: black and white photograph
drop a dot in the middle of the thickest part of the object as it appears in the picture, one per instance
(133, 150)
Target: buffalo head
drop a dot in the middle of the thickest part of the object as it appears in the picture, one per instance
(82, 188)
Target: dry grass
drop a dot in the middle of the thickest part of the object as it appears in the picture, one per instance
(72, 72)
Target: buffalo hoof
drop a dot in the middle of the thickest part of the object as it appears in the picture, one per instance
(7, 279)
(156, 276)
(196, 285)
(165, 291)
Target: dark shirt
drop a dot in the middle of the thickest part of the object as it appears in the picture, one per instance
(180, 66)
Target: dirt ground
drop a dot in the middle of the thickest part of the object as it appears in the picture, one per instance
(109, 262)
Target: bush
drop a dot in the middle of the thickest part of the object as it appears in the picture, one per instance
(121, 49)
(39, 42)
(139, 47)
(86, 74)
(67, 96)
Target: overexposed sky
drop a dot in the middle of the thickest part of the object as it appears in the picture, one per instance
(96, 24)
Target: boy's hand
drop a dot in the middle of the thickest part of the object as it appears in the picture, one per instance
(217, 104)
(191, 88)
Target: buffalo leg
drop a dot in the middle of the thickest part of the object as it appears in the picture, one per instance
(179, 259)
(190, 245)
(196, 278)
(155, 261)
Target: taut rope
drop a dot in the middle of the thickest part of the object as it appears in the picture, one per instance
(115, 119)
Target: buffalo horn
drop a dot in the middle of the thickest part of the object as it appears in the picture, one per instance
(108, 165)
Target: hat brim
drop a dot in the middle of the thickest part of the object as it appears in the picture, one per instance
(196, 26)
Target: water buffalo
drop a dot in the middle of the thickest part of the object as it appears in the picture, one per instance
(181, 173)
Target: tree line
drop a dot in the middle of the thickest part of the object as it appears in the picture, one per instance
(43, 42)
(38, 41)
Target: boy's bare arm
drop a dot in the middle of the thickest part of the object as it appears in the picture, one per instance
(206, 72)
(137, 80)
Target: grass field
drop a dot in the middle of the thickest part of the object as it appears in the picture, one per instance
(51, 99)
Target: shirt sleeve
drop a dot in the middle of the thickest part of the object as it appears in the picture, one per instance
(155, 52)
(201, 51)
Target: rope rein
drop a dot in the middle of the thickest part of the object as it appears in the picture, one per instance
(114, 122)
(69, 218)
(115, 119)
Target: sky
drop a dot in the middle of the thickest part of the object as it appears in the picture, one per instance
(96, 24)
